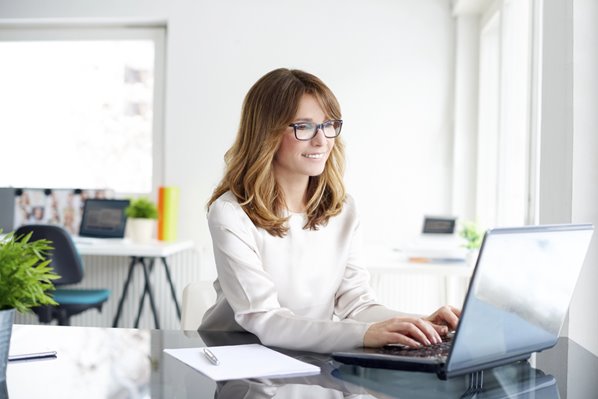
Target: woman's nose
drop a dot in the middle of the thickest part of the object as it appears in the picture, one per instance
(319, 139)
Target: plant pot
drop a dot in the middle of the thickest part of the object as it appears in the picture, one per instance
(141, 230)
(6, 320)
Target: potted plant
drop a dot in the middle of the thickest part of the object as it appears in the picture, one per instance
(141, 216)
(473, 237)
(25, 280)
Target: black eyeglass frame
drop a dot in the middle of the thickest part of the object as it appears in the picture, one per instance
(319, 126)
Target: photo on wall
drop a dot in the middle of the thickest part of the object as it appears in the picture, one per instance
(63, 207)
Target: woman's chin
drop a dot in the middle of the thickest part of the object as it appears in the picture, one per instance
(315, 172)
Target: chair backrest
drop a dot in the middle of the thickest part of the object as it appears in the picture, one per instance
(198, 296)
(65, 259)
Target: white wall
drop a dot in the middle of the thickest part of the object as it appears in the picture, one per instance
(388, 61)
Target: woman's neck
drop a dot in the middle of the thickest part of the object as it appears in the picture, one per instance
(294, 193)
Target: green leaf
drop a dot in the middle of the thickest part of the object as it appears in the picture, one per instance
(472, 234)
(142, 208)
(25, 273)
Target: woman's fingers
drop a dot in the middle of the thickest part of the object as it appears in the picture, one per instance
(442, 330)
(420, 330)
(455, 310)
(413, 329)
(451, 316)
(410, 331)
(397, 338)
(448, 315)
(427, 328)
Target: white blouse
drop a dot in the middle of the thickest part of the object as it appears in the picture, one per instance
(307, 290)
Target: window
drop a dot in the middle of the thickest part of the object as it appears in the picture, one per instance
(503, 126)
(81, 107)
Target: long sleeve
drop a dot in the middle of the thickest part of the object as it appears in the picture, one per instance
(307, 290)
(253, 296)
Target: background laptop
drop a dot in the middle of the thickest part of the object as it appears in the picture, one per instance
(104, 218)
(516, 303)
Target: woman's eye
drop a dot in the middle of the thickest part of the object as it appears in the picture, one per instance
(304, 126)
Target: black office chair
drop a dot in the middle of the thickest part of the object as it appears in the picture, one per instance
(66, 263)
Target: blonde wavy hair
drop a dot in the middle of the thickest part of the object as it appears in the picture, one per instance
(269, 107)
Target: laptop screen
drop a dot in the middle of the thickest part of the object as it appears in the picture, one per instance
(519, 294)
(104, 218)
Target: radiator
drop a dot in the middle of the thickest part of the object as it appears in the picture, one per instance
(408, 293)
(417, 293)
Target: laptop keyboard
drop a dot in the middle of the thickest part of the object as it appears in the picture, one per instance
(440, 350)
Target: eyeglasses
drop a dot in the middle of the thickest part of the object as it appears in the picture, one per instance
(305, 131)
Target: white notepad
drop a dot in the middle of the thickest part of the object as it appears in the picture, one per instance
(243, 361)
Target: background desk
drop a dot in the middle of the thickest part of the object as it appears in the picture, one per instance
(153, 249)
(145, 256)
(107, 264)
(127, 363)
(416, 287)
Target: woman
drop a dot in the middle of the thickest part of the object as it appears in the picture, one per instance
(286, 236)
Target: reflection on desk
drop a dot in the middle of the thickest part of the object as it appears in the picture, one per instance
(119, 363)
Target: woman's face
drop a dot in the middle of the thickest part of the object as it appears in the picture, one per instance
(300, 159)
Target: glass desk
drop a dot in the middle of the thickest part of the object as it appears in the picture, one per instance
(129, 363)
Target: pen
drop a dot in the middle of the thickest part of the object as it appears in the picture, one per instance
(32, 356)
(211, 357)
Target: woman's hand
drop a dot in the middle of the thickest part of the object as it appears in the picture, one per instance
(447, 317)
(410, 331)
(413, 331)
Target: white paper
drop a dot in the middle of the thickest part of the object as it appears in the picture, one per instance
(243, 361)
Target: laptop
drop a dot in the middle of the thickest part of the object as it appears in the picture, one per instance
(103, 218)
(515, 305)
